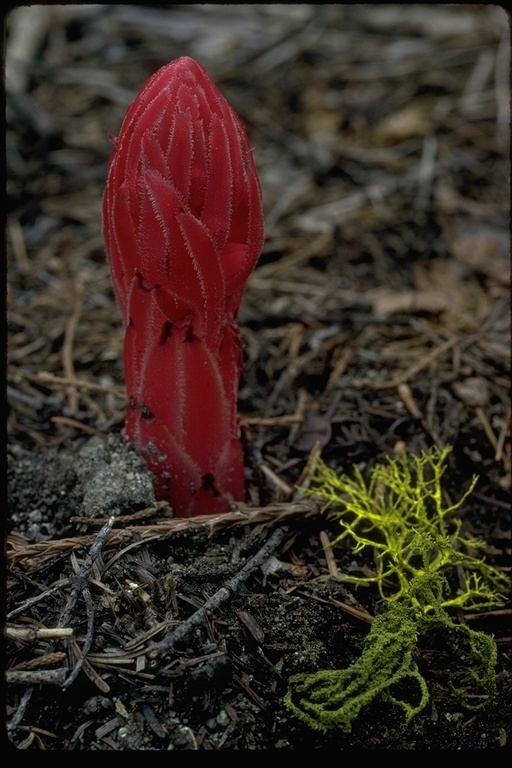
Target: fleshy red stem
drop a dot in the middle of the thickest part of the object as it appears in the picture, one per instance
(183, 230)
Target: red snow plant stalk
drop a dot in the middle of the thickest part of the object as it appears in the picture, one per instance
(183, 230)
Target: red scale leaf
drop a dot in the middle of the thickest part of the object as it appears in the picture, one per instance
(180, 152)
(217, 208)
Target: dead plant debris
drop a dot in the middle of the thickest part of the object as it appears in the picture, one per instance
(378, 319)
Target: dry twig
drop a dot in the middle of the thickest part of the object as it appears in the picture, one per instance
(223, 594)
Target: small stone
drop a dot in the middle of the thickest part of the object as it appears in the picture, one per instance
(472, 391)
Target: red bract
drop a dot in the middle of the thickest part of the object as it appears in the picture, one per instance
(183, 230)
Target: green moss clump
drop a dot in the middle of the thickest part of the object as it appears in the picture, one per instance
(401, 514)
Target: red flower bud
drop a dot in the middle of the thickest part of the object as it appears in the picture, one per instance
(183, 229)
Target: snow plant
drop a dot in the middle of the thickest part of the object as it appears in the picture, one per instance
(183, 229)
(425, 566)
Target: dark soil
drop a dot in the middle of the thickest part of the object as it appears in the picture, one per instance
(376, 321)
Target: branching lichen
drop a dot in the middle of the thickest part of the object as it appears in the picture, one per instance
(402, 514)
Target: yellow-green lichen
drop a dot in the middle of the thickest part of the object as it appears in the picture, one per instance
(403, 515)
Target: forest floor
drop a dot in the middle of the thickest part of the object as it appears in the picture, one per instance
(376, 322)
